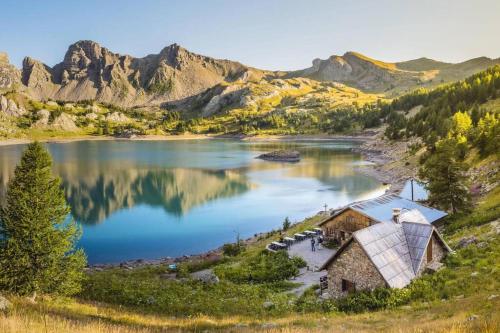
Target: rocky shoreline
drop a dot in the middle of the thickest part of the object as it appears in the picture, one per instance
(214, 255)
(391, 162)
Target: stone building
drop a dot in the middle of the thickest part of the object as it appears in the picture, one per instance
(362, 214)
(387, 254)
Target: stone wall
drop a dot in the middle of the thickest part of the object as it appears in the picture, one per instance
(347, 222)
(438, 253)
(355, 266)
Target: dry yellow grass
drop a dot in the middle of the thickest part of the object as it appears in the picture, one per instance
(70, 316)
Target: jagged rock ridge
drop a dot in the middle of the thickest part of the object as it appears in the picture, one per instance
(177, 76)
(90, 71)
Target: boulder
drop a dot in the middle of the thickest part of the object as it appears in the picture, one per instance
(10, 108)
(466, 241)
(52, 103)
(92, 116)
(65, 123)
(43, 118)
(5, 305)
(268, 304)
(206, 276)
(117, 117)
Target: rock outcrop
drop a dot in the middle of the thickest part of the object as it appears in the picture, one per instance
(90, 71)
(117, 117)
(176, 75)
(43, 118)
(281, 156)
(10, 108)
(9, 75)
(64, 122)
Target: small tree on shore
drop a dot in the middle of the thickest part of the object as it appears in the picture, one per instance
(445, 175)
(286, 224)
(37, 241)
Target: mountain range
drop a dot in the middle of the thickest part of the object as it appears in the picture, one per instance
(176, 76)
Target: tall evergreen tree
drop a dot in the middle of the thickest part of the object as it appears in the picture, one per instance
(445, 175)
(37, 241)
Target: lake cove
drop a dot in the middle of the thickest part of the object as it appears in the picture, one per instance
(153, 199)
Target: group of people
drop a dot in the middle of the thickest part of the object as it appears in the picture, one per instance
(314, 242)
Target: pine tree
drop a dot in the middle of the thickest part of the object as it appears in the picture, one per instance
(286, 223)
(37, 239)
(445, 176)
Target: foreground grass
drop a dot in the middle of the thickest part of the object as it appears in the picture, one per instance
(471, 314)
(462, 297)
(459, 298)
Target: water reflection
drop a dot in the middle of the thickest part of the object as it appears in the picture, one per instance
(174, 190)
(153, 199)
(100, 178)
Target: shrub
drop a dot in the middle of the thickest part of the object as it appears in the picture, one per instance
(380, 298)
(232, 249)
(299, 262)
(331, 244)
(263, 268)
(182, 271)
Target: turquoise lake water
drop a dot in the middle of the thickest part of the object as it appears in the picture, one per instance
(153, 199)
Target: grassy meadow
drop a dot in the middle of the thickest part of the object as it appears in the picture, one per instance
(459, 298)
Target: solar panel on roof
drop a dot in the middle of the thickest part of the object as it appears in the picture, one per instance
(380, 209)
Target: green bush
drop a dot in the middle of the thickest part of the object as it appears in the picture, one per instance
(299, 262)
(263, 268)
(380, 298)
(232, 249)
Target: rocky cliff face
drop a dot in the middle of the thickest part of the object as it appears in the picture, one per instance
(9, 75)
(90, 71)
(175, 75)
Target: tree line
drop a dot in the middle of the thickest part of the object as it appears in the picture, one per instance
(453, 120)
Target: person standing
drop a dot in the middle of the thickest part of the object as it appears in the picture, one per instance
(320, 242)
(313, 243)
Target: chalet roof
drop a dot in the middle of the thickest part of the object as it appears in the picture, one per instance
(385, 244)
(395, 249)
(417, 238)
(380, 209)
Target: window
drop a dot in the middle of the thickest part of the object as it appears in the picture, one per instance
(348, 286)
(429, 251)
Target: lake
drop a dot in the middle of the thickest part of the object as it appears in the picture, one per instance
(153, 199)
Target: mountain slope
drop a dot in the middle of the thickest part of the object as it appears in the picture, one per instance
(373, 75)
(421, 64)
(90, 71)
(175, 75)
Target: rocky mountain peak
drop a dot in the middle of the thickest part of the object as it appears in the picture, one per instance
(9, 75)
(4, 58)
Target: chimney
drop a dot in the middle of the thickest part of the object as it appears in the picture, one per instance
(395, 214)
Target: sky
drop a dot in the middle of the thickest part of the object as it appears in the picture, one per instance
(267, 34)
